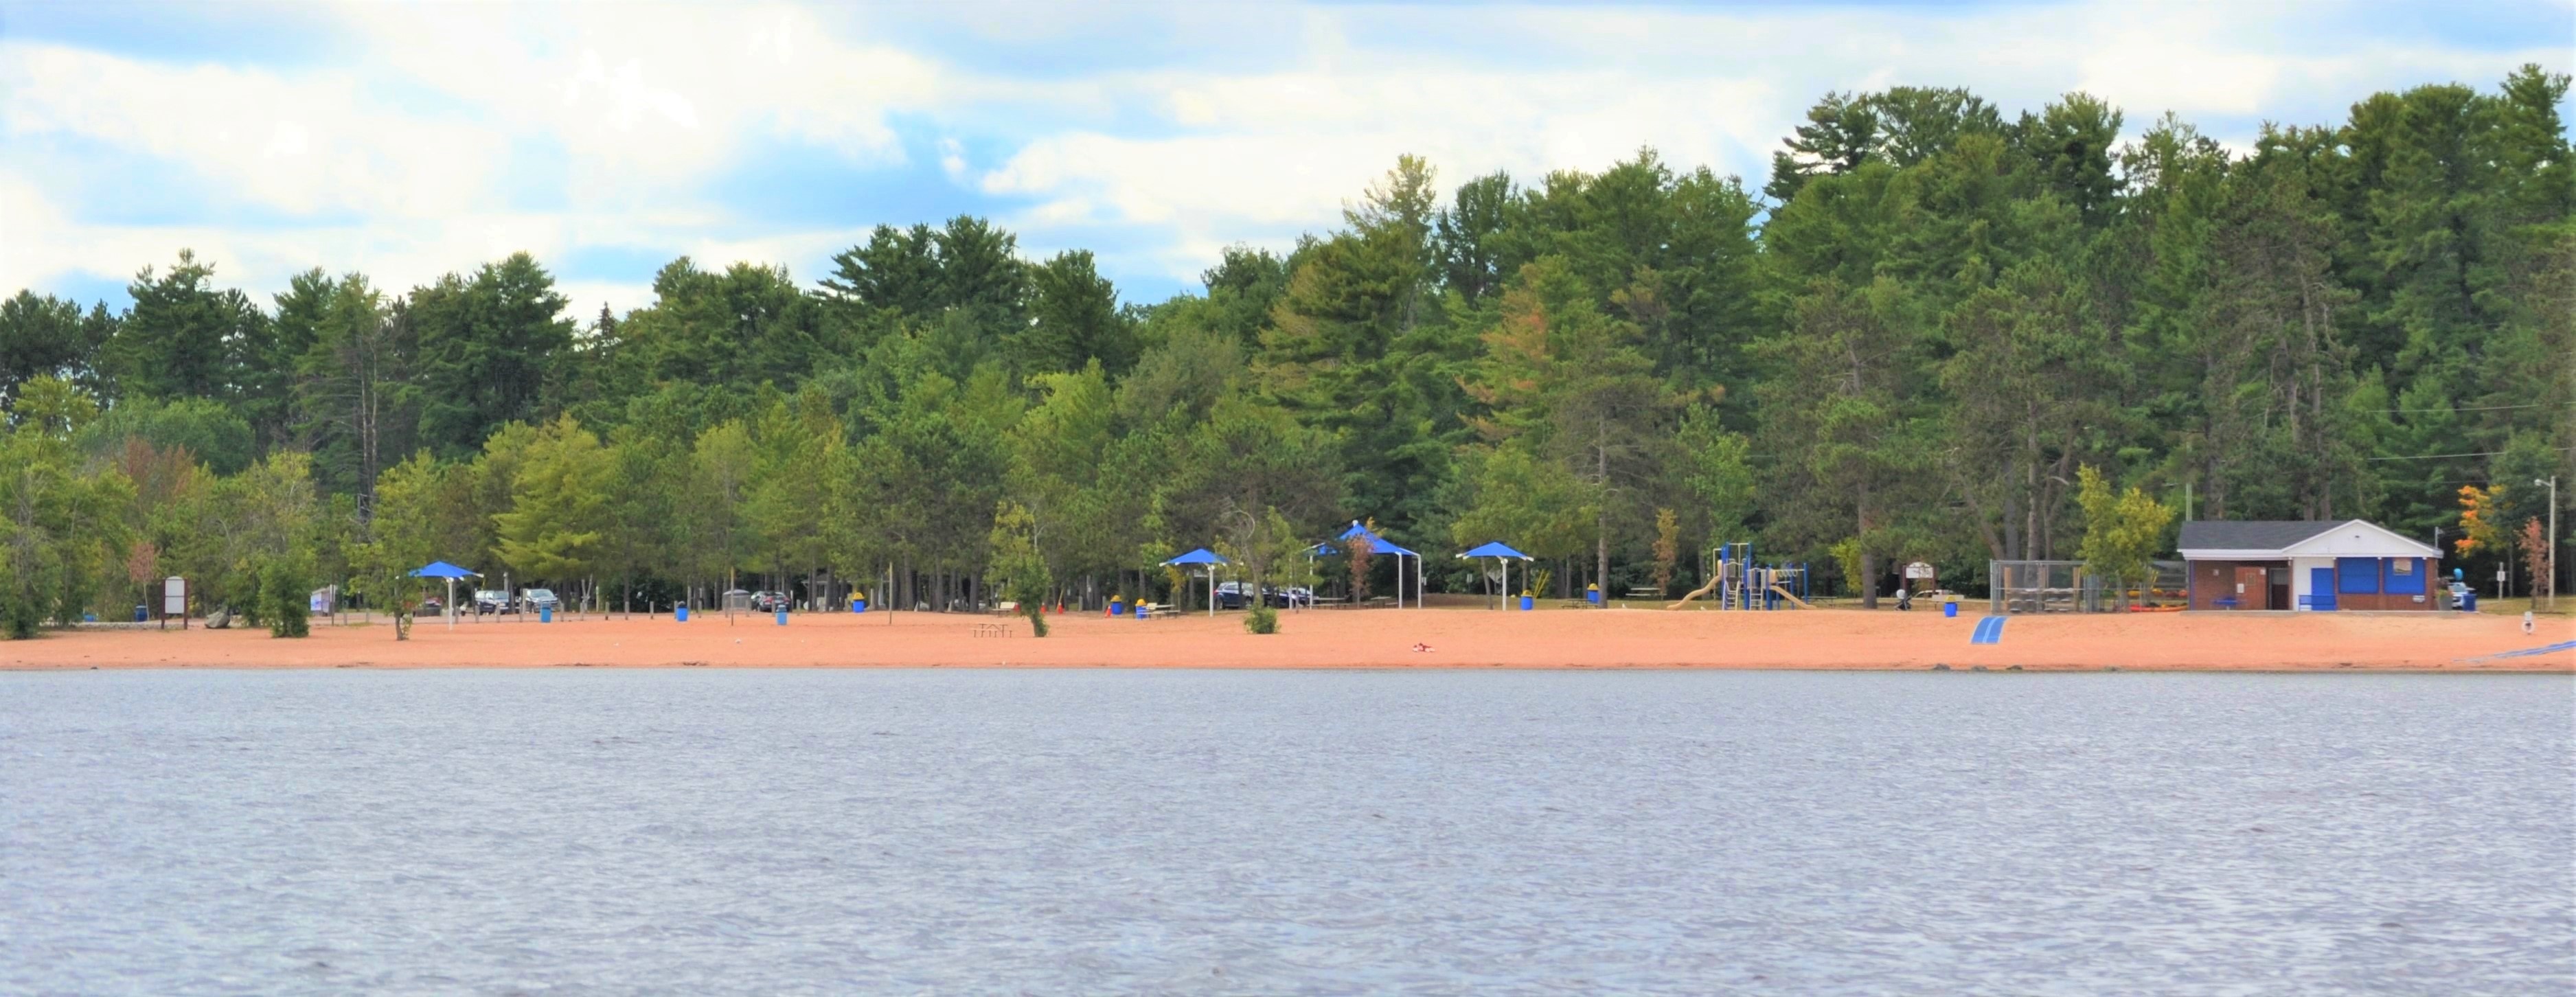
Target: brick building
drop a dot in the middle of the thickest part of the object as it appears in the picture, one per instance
(2308, 565)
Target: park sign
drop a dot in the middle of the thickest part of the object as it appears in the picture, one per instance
(174, 596)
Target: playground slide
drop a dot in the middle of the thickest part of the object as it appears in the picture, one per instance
(1694, 594)
(1793, 599)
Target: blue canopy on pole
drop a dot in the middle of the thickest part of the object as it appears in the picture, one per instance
(1503, 556)
(1208, 558)
(442, 569)
(1380, 545)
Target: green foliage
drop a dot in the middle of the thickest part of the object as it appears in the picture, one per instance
(1262, 618)
(285, 582)
(209, 431)
(235, 524)
(487, 345)
(43, 336)
(63, 534)
(2122, 530)
(1017, 573)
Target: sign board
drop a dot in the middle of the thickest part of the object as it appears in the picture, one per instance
(2499, 573)
(174, 596)
(1918, 569)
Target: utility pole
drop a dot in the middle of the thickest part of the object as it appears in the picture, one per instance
(2553, 538)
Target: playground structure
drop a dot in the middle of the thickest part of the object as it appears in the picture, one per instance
(1740, 583)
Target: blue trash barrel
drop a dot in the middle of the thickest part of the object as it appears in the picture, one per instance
(2469, 602)
(1140, 611)
(1950, 609)
(141, 613)
(1592, 592)
(545, 614)
(1528, 603)
(782, 617)
(680, 612)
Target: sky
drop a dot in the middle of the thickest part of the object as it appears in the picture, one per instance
(406, 141)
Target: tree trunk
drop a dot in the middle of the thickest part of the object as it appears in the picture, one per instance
(1868, 580)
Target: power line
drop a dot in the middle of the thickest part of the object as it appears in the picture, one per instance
(2472, 408)
(2435, 456)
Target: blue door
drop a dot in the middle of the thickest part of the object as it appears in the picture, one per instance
(2321, 589)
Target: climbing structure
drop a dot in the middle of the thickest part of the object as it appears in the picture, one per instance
(1740, 583)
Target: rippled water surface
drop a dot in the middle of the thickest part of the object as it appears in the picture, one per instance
(1317, 832)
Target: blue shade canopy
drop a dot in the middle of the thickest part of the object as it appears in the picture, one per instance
(1377, 544)
(1200, 556)
(442, 569)
(1495, 549)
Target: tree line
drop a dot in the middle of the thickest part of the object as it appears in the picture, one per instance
(1914, 341)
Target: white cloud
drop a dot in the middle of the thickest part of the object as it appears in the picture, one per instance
(302, 146)
(421, 149)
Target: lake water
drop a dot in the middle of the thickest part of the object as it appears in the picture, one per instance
(598, 832)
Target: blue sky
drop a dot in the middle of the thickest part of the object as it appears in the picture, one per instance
(406, 141)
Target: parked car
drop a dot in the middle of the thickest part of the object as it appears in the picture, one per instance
(430, 607)
(487, 601)
(532, 600)
(769, 602)
(1234, 595)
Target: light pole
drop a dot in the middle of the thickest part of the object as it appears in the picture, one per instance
(2553, 537)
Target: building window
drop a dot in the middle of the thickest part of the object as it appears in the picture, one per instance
(2403, 579)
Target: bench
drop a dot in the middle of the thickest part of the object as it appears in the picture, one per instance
(1005, 608)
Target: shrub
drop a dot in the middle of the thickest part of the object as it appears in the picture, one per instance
(1263, 619)
(19, 615)
(283, 595)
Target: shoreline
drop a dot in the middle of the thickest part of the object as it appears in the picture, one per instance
(1384, 639)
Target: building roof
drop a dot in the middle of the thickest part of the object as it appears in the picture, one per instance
(2239, 540)
(2253, 534)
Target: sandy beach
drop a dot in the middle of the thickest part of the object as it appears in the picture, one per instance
(1455, 638)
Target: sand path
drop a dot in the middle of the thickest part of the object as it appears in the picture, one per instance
(1457, 638)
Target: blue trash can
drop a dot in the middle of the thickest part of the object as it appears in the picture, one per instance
(1140, 611)
(545, 614)
(142, 613)
(1592, 592)
(1950, 609)
(1528, 603)
(2469, 601)
(680, 612)
(858, 605)
(782, 617)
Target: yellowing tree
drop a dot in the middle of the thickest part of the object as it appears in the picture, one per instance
(2481, 521)
(2122, 531)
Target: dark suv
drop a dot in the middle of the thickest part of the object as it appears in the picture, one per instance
(769, 602)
